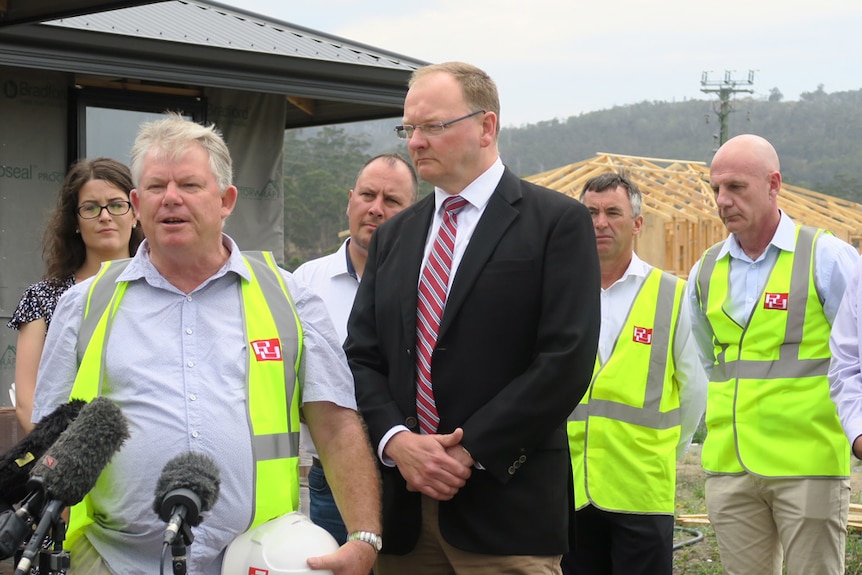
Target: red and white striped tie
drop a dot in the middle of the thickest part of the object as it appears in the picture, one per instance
(433, 289)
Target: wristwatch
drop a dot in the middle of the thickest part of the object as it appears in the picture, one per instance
(372, 539)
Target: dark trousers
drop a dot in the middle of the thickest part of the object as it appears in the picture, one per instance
(620, 544)
(322, 508)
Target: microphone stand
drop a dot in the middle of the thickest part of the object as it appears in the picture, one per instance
(57, 559)
(178, 549)
(50, 519)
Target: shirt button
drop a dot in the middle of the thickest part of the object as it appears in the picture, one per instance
(188, 298)
(193, 397)
(195, 434)
(191, 364)
(189, 331)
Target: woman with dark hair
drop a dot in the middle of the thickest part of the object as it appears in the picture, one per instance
(92, 222)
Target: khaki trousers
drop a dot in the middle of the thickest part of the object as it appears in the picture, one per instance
(759, 522)
(433, 556)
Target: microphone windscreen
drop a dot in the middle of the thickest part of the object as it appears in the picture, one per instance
(195, 472)
(15, 464)
(71, 467)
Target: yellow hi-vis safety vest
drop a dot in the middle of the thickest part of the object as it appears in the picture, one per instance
(624, 434)
(768, 409)
(272, 386)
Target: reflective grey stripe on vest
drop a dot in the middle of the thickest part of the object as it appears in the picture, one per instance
(649, 415)
(704, 273)
(788, 365)
(277, 445)
(99, 298)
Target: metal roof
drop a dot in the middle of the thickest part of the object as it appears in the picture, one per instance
(206, 23)
(202, 43)
(14, 12)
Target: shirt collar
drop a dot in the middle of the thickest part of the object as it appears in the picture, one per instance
(784, 238)
(637, 268)
(479, 191)
(349, 268)
(141, 267)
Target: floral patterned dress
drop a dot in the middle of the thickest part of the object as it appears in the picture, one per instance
(39, 301)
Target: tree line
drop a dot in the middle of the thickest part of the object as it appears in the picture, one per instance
(817, 138)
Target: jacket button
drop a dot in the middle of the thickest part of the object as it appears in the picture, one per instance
(517, 465)
(410, 422)
(522, 459)
(512, 470)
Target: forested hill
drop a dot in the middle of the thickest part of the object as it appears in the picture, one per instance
(818, 137)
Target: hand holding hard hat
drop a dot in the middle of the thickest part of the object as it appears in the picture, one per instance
(282, 547)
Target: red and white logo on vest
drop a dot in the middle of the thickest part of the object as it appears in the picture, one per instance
(775, 301)
(642, 335)
(267, 349)
(257, 571)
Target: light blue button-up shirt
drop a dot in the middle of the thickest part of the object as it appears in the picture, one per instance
(175, 365)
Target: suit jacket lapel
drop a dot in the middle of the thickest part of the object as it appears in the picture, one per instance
(496, 219)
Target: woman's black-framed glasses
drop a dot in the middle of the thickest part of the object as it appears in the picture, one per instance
(93, 210)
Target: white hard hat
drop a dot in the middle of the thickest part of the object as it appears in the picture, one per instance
(278, 547)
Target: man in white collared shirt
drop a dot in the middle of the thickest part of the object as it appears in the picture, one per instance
(777, 461)
(385, 185)
(645, 400)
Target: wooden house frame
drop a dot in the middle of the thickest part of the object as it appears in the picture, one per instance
(680, 216)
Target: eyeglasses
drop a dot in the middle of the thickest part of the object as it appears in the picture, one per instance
(115, 208)
(405, 132)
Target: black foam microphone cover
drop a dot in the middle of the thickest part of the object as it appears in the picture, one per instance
(16, 464)
(187, 477)
(71, 467)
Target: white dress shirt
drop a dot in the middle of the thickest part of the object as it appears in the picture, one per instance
(330, 278)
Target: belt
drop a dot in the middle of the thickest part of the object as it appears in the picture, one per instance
(315, 462)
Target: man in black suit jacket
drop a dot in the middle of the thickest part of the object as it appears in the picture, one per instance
(490, 489)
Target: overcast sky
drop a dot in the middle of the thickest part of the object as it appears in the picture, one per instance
(559, 58)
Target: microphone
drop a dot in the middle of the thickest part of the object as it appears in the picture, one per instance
(15, 464)
(189, 485)
(71, 467)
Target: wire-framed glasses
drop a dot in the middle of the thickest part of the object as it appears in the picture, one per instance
(91, 210)
(405, 131)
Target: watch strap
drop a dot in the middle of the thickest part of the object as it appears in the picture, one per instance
(373, 539)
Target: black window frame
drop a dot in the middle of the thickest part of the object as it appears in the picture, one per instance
(82, 97)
